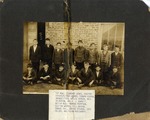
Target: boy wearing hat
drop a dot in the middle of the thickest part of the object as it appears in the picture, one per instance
(114, 78)
(98, 75)
(45, 74)
(86, 76)
(80, 55)
(60, 75)
(29, 76)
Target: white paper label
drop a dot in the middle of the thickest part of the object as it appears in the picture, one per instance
(71, 104)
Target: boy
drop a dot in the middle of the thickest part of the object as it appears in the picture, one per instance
(105, 59)
(92, 56)
(86, 77)
(45, 74)
(35, 55)
(80, 55)
(73, 75)
(58, 56)
(48, 50)
(29, 76)
(114, 78)
(60, 76)
(98, 75)
(116, 58)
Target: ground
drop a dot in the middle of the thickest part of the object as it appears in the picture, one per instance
(43, 88)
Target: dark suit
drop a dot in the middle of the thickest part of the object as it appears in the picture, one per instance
(58, 57)
(48, 54)
(116, 60)
(98, 77)
(73, 75)
(68, 57)
(61, 75)
(44, 73)
(80, 55)
(32, 75)
(86, 77)
(114, 79)
(35, 57)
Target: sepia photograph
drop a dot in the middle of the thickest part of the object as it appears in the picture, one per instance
(73, 56)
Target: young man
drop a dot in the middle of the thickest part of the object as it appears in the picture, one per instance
(73, 75)
(116, 58)
(80, 55)
(114, 78)
(98, 76)
(45, 74)
(48, 52)
(60, 76)
(86, 76)
(58, 56)
(92, 56)
(105, 59)
(35, 55)
(68, 56)
(29, 77)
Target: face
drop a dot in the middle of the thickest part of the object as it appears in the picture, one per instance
(29, 68)
(58, 46)
(115, 70)
(46, 66)
(73, 67)
(105, 47)
(116, 49)
(61, 68)
(92, 46)
(98, 68)
(80, 44)
(47, 42)
(86, 66)
(35, 42)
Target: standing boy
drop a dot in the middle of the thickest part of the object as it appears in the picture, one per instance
(80, 55)
(35, 55)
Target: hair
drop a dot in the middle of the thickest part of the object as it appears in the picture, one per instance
(34, 39)
(58, 43)
(105, 44)
(92, 44)
(69, 43)
(117, 46)
(80, 41)
(47, 39)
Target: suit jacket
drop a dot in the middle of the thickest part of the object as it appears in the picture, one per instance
(92, 56)
(114, 77)
(68, 57)
(99, 77)
(83, 75)
(105, 58)
(116, 60)
(48, 52)
(58, 56)
(32, 75)
(74, 74)
(80, 54)
(44, 73)
(60, 74)
(35, 56)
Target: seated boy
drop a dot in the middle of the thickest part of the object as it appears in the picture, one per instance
(86, 77)
(98, 76)
(60, 75)
(73, 75)
(114, 78)
(29, 76)
(45, 74)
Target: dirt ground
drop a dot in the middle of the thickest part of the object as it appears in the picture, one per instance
(43, 88)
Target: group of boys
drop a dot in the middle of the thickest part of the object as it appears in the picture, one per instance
(79, 66)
